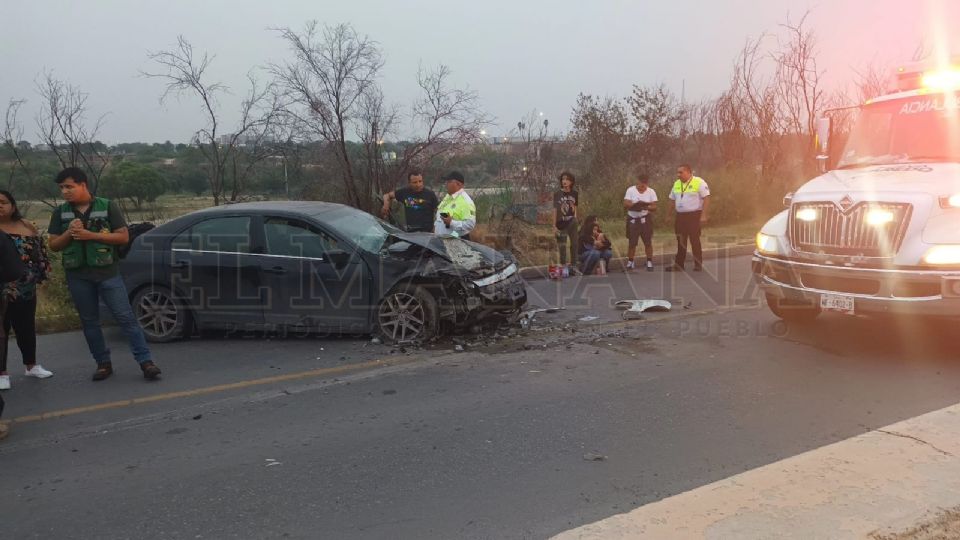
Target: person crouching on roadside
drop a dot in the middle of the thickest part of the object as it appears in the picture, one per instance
(594, 245)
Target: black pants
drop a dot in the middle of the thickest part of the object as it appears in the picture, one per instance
(687, 228)
(21, 316)
(3, 333)
(567, 234)
(639, 230)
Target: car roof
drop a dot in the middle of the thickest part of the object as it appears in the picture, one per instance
(302, 207)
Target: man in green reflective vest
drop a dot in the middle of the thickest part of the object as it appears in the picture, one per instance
(456, 214)
(691, 198)
(87, 230)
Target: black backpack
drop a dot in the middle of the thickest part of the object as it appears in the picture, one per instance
(135, 230)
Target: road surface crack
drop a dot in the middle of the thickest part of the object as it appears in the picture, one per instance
(919, 440)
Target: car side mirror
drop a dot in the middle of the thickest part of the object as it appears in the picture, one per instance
(397, 248)
(824, 129)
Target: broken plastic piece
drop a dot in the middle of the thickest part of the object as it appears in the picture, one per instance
(527, 316)
(635, 308)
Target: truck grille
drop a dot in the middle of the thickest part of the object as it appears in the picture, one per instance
(836, 232)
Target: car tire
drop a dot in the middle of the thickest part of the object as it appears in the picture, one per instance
(162, 317)
(407, 313)
(792, 312)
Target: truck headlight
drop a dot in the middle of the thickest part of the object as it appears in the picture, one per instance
(879, 217)
(952, 201)
(947, 254)
(767, 244)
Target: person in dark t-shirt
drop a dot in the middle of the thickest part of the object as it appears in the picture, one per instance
(419, 203)
(565, 204)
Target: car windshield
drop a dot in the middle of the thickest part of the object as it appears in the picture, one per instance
(361, 228)
(918, 129)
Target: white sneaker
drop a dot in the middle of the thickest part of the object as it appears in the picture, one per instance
(649, 266)
(630, 265)
(38, 372)
(4, 382)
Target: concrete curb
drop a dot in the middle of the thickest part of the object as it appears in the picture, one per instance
(874, 485)
(617, 264)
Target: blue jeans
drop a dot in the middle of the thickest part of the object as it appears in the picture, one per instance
(592, 256)
(86, 297)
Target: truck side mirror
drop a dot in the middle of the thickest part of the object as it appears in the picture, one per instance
(824, 128)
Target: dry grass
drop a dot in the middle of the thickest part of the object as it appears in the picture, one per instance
(944, 526)
(535, 245)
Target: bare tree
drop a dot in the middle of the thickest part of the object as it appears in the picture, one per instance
(12, 135)
(63, 127)
(801, 93)
(334, 68)
(376, 121)
(229, 163)
(656, 119)
(872, 80)
(754, 106)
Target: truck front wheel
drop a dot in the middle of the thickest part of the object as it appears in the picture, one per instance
(792, 310)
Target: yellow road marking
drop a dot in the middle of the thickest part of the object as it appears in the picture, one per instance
(313, 373)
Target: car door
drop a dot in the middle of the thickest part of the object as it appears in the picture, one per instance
(312, 279)
(212, 267)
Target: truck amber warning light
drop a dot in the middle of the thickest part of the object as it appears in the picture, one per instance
(921, 76)
(947, 79)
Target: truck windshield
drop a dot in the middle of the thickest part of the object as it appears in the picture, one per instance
(923, 128)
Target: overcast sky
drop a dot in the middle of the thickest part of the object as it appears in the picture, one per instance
(519, 55)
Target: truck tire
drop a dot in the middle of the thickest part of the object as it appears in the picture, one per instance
(792, 311)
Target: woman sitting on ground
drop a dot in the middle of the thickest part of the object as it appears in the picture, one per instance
(594, 245)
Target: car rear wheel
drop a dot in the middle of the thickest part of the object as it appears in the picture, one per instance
(407, 314)
(792, 311)
(162, 317)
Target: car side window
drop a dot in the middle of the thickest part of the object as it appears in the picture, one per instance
(292, 238)
(225, 235)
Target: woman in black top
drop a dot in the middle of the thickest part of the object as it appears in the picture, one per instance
(20, 295)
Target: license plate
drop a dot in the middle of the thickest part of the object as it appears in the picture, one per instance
(836, 302)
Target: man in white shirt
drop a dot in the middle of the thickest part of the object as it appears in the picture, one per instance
(639, 201)
(457, 213)
(691, 198)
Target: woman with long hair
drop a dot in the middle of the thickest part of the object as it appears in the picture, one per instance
(594, 245)
(21, 295)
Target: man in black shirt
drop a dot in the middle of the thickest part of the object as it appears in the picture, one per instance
(419, 203)
(565, 204)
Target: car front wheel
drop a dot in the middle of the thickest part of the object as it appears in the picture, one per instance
(407, 314)
(162, 317)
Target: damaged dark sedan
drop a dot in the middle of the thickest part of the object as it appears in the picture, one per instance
(312, 266)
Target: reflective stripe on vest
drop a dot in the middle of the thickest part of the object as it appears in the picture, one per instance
(692, 187)
(459, 208)
(89, 253)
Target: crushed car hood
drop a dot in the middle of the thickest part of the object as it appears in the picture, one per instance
(465, 254)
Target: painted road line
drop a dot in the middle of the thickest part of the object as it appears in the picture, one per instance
(309, 374)
(878, 483)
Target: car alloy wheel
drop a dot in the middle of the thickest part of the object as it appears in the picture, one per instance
(158, 315)
(402, 317)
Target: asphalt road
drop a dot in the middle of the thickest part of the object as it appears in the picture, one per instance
(520, 437)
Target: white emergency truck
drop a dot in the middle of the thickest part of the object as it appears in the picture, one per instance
(879, 231)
